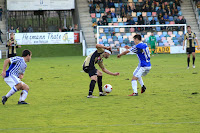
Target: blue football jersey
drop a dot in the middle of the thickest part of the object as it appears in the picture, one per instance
(143, 54)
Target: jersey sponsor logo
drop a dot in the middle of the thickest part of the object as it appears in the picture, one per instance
(161, 50)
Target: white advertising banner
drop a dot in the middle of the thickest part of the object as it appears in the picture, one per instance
(19, 5)
(44, 38)
(177, 50)
(0, 55)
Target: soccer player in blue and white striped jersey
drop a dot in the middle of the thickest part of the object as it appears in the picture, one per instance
(142, 51)
(14, 74)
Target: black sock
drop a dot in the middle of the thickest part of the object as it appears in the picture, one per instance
(193, 60)
(92, 85)
(188, 61)
(100, 83)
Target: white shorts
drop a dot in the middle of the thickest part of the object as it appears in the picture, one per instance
(12, 80)
(141, 71)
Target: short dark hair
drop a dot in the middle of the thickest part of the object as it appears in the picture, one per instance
(188, 26)
(138, 36)
(26, 52)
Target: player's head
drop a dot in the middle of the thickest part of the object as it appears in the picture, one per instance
(152, 34)
(27, 55)
(106, 54)
(188, 28)
(137, 39)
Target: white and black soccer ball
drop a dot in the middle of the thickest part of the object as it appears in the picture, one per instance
(107, 88)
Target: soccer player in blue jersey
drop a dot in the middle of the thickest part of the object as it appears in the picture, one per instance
(14, 74)
(142, 51)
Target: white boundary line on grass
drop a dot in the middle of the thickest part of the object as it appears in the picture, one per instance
(116, 125)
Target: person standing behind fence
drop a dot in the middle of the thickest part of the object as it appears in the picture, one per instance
(0, 36)
(12, 45)
(12, 30)
(30, 29)
(1, 11)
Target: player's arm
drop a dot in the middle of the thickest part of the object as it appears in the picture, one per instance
(123, 53)
(6, 62)
(197, 42)
(21, 76)
(107, 71)
(184, 42)
(102, 46)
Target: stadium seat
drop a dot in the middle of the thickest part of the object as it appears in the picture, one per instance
(115, 24)
(135, 19)
(128, 34)
(172, 22)
(144, 14)
(93, 15)
(178, 8)
(148, 14)
(157, 23)
(164, 33)
(122, 30)
(139, 13)
(102, 10)
(116, 5)
(107, 9)
(124, 19)
(103, 37)
(114, 20)
(105, 41)
(160, 44)
(180, 13)
(166, 22)
(156, 19)
(98, 15)
(171, 18)
(119, 19)
(120, 24)
(120, 37)
(133, 14)
(109, 20)
(149, 18)
(175, 33)
(100, 30)
(132, 30)
(135, 1)
(120, 40)
(154, 14)
(122, 45)
(107, 44)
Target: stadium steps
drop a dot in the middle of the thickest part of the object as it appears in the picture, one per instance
(188, 13)
(86, 23)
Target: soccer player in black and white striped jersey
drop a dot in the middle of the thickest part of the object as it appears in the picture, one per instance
(14, 74)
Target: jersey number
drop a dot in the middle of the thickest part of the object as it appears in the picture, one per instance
(146, 54)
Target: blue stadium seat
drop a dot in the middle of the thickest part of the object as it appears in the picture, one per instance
(139, 13)
(149, 18)
(120, 24)
(180, 13)
(148, 14)
(157, 28)
(114, 20)
(102, 34)
(122, 45)
(166, 22)
(157, 23)
(164, 41)
(156, 19)
(108, 37)
(135, 1)
(157, 8)
(164, 33)
(116, 5)
(177, 35)
(171, 18)
(98, 15)
(120, 37)
(116, 29)
(178, 8)
(128, 34)
(107, 45)
(120, 40)
(175, 32)
(105, 41)
(160, 44)
(106, 30)
(135, 19)
(100, 42)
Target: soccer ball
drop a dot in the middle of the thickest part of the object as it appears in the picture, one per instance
(107, 88)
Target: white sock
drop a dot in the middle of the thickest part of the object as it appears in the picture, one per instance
(141, 81)
(134, 85)
(23, 95)
(11, 92)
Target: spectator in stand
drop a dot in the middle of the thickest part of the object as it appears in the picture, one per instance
(162, 21)
(0, 36)
(166, 17)
(122, 12)
(105, 22)
(175, 12)
(12, 30)
(146, 21)
(30, 29)
(183, 20)
(94, 25)
(92, 9)
(177, 21)
(160, 16)
(133, 9)
(113, 15)
(130, 21)
(24, 29)
(100, 22)
(152, 7)
(64, 29)
(71, 29)
(153, 21)
(97, 9)
(104, 17)
(17, 30)
(1, 11)
(106, 3)
(111, 4)
(12, 45)
(159, 11)
(145, 8)
(141, 22)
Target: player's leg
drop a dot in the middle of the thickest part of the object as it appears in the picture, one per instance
(145, 72)
(193, 55)
(24, 93)
(99, 81)
(15, 85)
(188, 60)
(152, 49)
(93, 77)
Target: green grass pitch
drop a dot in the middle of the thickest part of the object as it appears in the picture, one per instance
(58, 103)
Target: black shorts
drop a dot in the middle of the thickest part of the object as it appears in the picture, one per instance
(91, 71)
(190, 50)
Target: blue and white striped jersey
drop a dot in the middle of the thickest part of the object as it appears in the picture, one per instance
(142, 51)
(17, 67)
